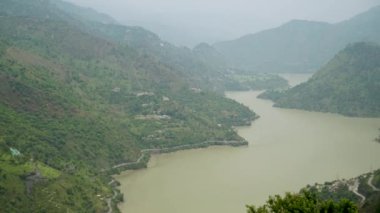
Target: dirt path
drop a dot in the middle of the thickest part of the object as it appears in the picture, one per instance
(354, 188)
(109, 205)
(109, 201)
(374, 188)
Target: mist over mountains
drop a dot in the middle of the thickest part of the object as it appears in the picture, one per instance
(299, 46)
(84, 97)
(189, 22)
(296, 46)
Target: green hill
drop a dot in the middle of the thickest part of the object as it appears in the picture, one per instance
(76, 101)
(348, 84)
(299, 46)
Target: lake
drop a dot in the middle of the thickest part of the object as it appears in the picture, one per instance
(288, 149)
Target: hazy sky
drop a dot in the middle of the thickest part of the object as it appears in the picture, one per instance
(188, 22)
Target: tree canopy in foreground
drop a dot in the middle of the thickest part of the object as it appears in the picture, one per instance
(303, 202)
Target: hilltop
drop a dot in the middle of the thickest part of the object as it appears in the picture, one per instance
(348, 84)
(299, 45)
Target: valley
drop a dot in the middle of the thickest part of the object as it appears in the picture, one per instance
(97, 116)
(288, 149)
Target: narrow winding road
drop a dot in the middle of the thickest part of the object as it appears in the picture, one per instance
(374, 188)
(354, 188)
(186, 146)
(109, 202)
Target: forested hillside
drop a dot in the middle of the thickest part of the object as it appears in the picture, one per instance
(348, 84)
(76, 100)
(299, 46)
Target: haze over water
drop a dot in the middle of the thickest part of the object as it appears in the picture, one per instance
(288, 150)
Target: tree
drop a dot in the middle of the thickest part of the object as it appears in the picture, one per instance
(305, 201)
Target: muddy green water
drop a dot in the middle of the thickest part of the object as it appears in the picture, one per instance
(288, 150)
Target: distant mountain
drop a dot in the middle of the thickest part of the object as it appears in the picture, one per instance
(83, 14)
(208, 54)
(57, 10)
(349, 84)
(299, 46)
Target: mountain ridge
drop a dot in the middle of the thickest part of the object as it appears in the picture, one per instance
(347, 84)
(299, 46)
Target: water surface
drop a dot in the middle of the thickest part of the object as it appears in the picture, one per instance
(288, 150)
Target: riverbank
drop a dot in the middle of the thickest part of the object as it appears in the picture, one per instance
(288, 150)
(143, 161)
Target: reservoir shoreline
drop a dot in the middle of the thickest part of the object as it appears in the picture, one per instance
(142, 161)
(288, 149)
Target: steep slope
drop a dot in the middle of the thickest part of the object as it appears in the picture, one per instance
(355, 189)
(74, 103)
(199, 72)
(348, 84)
(299, 46)
(203, 67)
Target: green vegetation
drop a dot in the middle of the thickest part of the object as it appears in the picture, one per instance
(299, 46)
(305, 201)
(76, 100)
(52, 191)
(335, 190)
(342, 189)
(348, 84)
